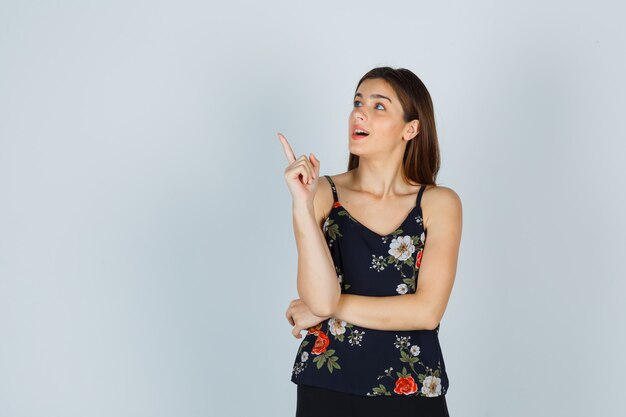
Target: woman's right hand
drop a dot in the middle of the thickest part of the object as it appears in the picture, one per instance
(301, 175)
(301, 318)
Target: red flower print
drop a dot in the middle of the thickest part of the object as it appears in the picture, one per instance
(418, 258)
(337, 204)
(315, 329)
(321, 343)
(405, 386)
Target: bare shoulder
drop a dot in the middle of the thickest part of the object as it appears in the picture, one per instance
(440, 203)
(342, 179)
(323, 200)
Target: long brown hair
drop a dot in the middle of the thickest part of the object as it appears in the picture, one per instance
(421, 160)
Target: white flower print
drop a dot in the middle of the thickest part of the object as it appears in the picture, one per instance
(298, 367)
(402, 341)
(402, 289)
(356, 337)
(378, 263)
(402, 247)
(326, 222)
(415, 350)
(305, 356)
(431, 387)
(337, 327)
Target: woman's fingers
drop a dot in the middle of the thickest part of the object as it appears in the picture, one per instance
(312, 173)
(289, 317)
(302, 166)
(296, 332)
(291, 157)
(310, 170)
(316, 164)
(296, 329)
(289, 313)
(298, 170)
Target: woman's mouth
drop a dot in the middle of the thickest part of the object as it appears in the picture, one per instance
(358, 133)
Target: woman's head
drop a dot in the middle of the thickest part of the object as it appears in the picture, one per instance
(394, 106)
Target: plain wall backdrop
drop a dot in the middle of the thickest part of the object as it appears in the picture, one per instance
(147, 254)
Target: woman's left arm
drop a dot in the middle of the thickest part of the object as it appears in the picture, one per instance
(425, 308)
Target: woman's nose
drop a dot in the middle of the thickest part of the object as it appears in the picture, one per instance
(359, 115)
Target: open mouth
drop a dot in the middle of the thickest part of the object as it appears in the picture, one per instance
(360, 133)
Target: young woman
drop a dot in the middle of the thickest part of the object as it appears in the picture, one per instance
(363, 238)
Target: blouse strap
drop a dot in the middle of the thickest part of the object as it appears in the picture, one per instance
(332, 185)
(419, 195)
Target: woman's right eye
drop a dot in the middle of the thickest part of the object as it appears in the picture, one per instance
(356, 101)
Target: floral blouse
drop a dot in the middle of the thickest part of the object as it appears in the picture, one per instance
(344, 357)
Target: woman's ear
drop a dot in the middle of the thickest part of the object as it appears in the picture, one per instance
(413, 129)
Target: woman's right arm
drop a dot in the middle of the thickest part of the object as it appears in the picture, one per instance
(318, 285)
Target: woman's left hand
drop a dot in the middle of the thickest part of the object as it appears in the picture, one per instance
(299, 316)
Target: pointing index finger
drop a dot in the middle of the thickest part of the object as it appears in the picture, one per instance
(288, 151)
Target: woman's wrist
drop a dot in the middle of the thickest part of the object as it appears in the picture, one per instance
(302, 207)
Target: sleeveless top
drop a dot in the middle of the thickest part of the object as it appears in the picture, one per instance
(352, 359)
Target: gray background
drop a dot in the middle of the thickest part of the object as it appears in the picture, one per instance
(146, 246)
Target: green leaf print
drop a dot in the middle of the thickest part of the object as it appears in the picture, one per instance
(332, 229)
(328, 358)
(345, 213)
(380, 390)
(332, 364)
(302, 345)
(403, 374)
(319, 361)
(407, 358)
(410, 282)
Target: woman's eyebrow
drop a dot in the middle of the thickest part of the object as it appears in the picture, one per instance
(373, 96)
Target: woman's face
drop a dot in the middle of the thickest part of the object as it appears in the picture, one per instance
(377, 110)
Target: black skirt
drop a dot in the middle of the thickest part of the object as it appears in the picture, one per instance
(315, 402)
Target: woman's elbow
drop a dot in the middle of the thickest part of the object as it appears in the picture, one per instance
(327, 309)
